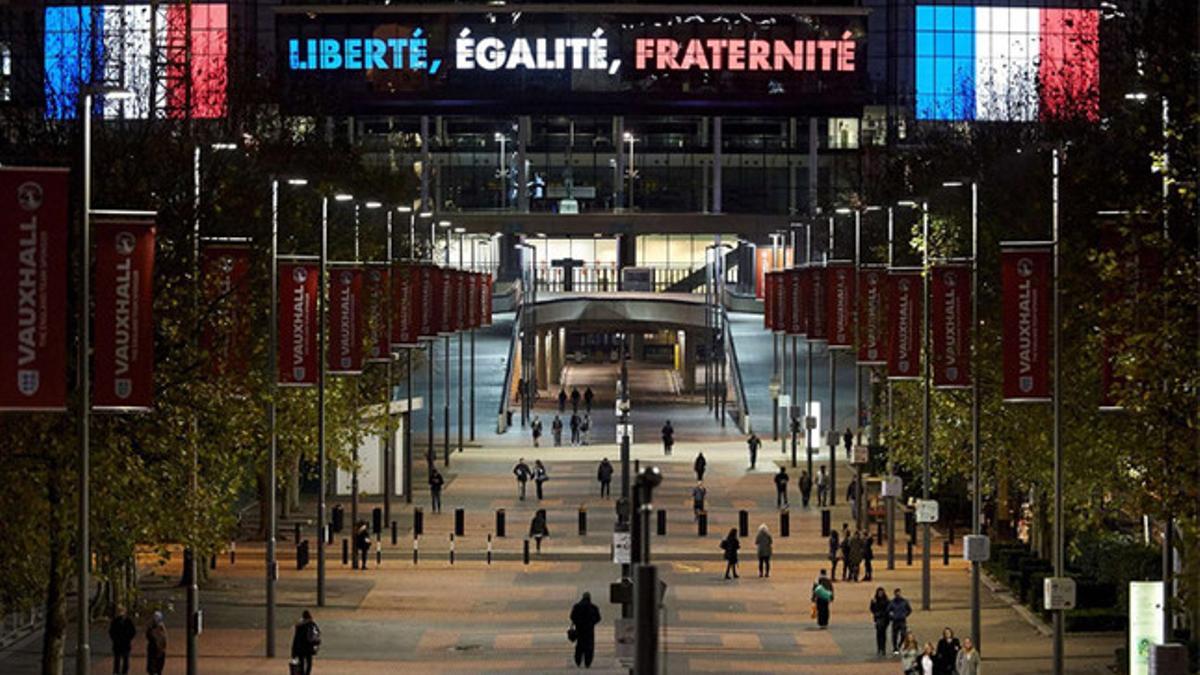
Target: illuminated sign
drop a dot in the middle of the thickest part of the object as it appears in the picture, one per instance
(113, 45)
(1006, 63)
(618, 59)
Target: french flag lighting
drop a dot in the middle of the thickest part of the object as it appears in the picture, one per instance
(114, 45)
(1006, 63)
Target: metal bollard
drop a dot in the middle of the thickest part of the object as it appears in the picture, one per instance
(451, 548)
(301, 555)
(416, 548)
(418, 521)
(526, 554)
(297, 535)
(395, 533)
(825, 522)
(489, 551)
(346, 553)
(233, 553)
(460, 522)
(499, 522)
(785, 523)
(583, 521)
(743, 523)
(946, 552)
(376, 520)
(662, 522)
(702, 524)
(910, 548)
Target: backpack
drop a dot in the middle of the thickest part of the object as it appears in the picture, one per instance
(314, 637)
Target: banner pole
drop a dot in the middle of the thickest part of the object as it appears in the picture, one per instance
(272, 367)
(83, 564)
(389, 446)
(832, 431)
(926, 534)
(1059, 550)
(189, 557)
(462, 308)
(321, 403)
(976, 496)
(808, 364)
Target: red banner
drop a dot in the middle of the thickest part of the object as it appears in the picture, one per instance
(124, 325)
(429, 293)
(872, 327)
(296, 352)
(474, 300)
(793, 301)
(487, 299)
(768, 300)
(344, 353)
(904, 324)
(950, 325)
(1025, 280)
(376, 285)
(33, 279)
(444, 292)
(818, 327)
(225, 336)
(779, 310)
(406, 315)
(839, 304)
(459, 297)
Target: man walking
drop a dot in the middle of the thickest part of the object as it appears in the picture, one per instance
(584, 617)
(574, 399)
(898, 611)
(753, 443)
(699, 466)
(121, 632)
(848, 441)
(556, 430)
(852, 499)
(822, 487)
(805, 487)
(562, 400)
(668, 437)
(306, 640)
(588, 395)
(604, 474)
(698, 494)
(522, 472)
(574, 429)
(362, 544)
(781, 483)
(435, 489)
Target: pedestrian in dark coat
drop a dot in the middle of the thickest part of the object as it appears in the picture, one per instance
(753, 444)
(584, 617)
(781, 484)
(854, 553)
(852, 498)
(945, 660)
(556, 428)
(879, 612)
(435, 489)
(845, 552)
(587, 398)
(698, 494)
(535, 428)
(539, 476)
(822, 597)
(362, 544)
(898, 610)
(575, 429)
(868, 556)
(562, 400)
(834, 548)
(604, 474)
(156, 645)
(848, 441)
(121, 632)
(306, 640)
(538, 528)
(730, 546)
(805, 487)
(522, 472)
(668, 437)
(699, 466)
(574, 399)
(763, 543)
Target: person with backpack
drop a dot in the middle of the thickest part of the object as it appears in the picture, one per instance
(522, 472)
(822, 596)
(306, 642)
(584, 617)
(781, 484)
(121, 632)
(539, 476)
(535, 428)
(585, 428)
(604, 474)
(730, 546)
(699, 466)
(668, 438)
(156, 645)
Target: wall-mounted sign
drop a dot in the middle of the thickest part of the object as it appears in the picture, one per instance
(617, 58)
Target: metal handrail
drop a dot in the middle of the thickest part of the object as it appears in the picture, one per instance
(502, 414)
(735, 369)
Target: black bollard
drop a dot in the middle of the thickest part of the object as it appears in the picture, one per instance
(909, 555)
(418, 522)
(825, 524)
(395, 533)
(297, 535)
(526, 552)
(460, 522)
(233, 553)
(499, 522)
(416, 548)
(346, 553)
(376, 520)
(301, 555)
(946, 552)
(702, 524)
(583, 521)
(743, 523)
(662, 522)
(785, 523)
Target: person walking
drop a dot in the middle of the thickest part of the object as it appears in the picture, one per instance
(574, 429)
(556, 428)
(698, 494)
(699, 466)
(585, 428)
(588, 395)
(753, 444)
(121, 632)
(848, 441)
(730, 546)
(927, 660)
(156, 645)
(604, 474)
(968, 659)
(805, 487)
(868, 555)
(575, 399)
(522, 472)
(910, 653)
(845, 552)
(539, 476)
(538, 528)
(781, 484)
(435, 489)
(763, 544)
(855, 555)
(584, 617)
(898, 611)
(834, 548)
(852, 499)
(562, 400)
(362, 543)
(535, 428)
(879, 612)
(668, 438)
(822, 482)
(306, 641)
(946, 657)
(822, 597)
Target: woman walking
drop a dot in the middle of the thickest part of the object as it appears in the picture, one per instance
(539, 476)
(946, 658)
(968, 659)
(927, 660)
(538, 528)
(879, 612)
(763, 541)
(822, 595)
(730, 546)
(910, 653)
(156, 645)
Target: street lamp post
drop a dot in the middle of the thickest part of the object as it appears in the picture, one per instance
(630, 139)
(445, 225)
(926, 535)
(502, 169)
(461, 231)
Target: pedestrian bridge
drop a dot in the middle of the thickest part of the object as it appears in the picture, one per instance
(625, 311)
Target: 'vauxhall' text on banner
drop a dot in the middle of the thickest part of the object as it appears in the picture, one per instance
(297, 315)
(124, 322)
(225, 336)
(839, 304)
(376, 290)
(1025, 279)
(871, 291)
(904, 324)
(950, 325)
(344, 349)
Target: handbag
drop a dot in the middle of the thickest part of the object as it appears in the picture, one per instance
(814, 610)
(572, 633)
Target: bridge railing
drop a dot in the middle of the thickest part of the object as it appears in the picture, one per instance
(511, 362)
(742, 412)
